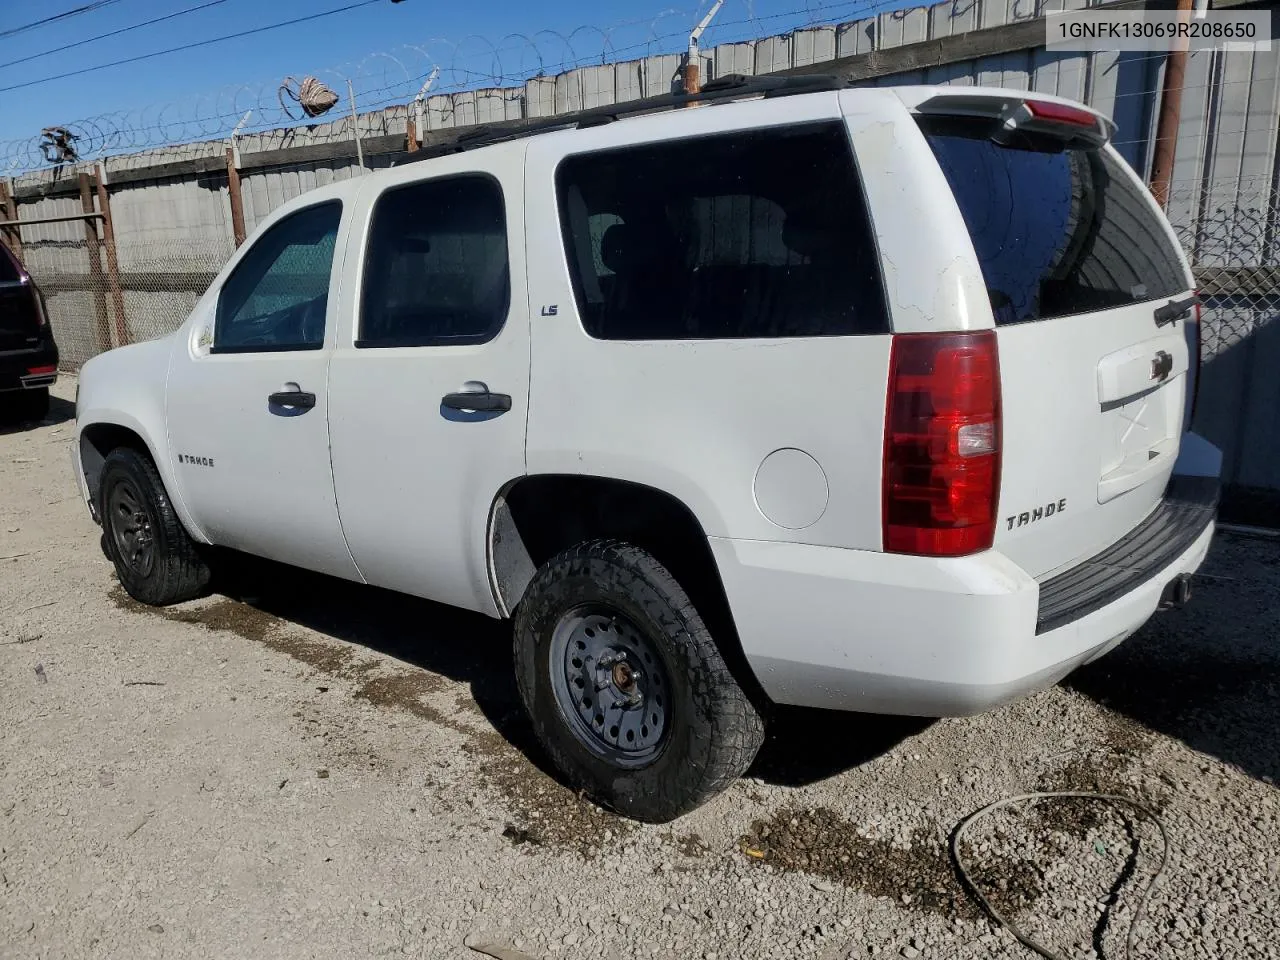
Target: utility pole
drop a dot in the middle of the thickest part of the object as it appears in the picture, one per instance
(1170, 118)
(692, 82)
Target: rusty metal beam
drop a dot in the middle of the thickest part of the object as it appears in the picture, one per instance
(236, 198)
(113, 265)
(9, 204)
(7, 224)
(95, 261)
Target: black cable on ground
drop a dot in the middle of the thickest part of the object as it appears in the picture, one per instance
(963, 828)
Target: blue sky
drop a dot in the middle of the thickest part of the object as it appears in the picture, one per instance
(449, 34)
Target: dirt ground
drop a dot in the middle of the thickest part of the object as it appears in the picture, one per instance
(303, 768)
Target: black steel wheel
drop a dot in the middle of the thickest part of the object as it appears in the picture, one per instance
(625, 687)
(156, 561)
(129, 522)
(609, 682)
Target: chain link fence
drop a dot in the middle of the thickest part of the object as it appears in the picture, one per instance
(1234, 246)
(149, 294)
(1233, 243)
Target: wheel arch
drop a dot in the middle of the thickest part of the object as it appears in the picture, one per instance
(99, 434)
(535, 517)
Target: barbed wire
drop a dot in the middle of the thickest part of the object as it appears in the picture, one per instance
(190, 124)
(440, 67)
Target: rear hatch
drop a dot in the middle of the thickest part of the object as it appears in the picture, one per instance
(20, 315)
(1091, 297)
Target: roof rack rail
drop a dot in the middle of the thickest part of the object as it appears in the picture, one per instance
(727, 87)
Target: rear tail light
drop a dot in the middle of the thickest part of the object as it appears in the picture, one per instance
(41, 371)
(942, 444)
(41, 319)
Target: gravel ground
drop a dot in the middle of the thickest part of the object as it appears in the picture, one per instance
(303, 768)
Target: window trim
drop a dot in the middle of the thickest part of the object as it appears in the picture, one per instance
(812, 124)
(466, 340)
(216, 350)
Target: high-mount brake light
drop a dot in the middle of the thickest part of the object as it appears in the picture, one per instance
(1061, 113)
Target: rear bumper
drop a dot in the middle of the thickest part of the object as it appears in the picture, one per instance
(875, 632)
(16, 366)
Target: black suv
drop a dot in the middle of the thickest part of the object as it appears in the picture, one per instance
(28, 353)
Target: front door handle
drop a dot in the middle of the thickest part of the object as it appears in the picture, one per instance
(480, 401)
(297, 399)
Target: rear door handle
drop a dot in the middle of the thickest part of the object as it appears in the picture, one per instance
(299, 399)
(481, 402)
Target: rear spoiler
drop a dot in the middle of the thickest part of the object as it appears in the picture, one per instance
(1027, 114)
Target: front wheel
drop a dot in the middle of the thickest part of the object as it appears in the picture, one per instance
(156, 561)
(625, 687)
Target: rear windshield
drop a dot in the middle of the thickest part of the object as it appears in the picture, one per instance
(8, 269)
(1058, 231)
(745, 235)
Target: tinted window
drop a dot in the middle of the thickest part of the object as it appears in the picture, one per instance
(8, 268)
(1058, 231)
(757, 234)
(277, 297)
(436, 269)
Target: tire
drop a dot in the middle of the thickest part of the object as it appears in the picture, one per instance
(704, 733)
(24, 406)
(156, 562)
(33, 405)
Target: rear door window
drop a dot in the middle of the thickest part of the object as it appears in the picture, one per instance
(753, 234)
(1058, 231)
(436, 270)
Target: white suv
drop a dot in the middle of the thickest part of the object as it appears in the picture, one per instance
(866, 399)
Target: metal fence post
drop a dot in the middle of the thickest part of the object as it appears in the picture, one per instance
(95, 264)
(12, 235)
(113, 264)
(234, 195)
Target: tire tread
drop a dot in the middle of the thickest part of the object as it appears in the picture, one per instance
(182, 573)
(736, 729)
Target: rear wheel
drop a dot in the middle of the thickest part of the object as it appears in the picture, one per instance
(625, 686)
(34, 404)
(156, 562)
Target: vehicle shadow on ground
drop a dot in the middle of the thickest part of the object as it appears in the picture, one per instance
(805, 746)
(465, 647)
(1208, 674)
(60, 411)
(802, 747)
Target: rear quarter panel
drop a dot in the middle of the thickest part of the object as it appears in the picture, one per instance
(698, 418)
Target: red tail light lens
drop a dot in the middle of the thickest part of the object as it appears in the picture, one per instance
(942, 444)
(1061, 113)
(41, 371)
(41, 319)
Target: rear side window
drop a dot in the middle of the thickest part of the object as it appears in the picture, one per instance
(745, 235)
(436, 268)
(1058, 231)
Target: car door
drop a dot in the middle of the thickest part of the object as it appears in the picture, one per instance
(428, 391)
(246, 399)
